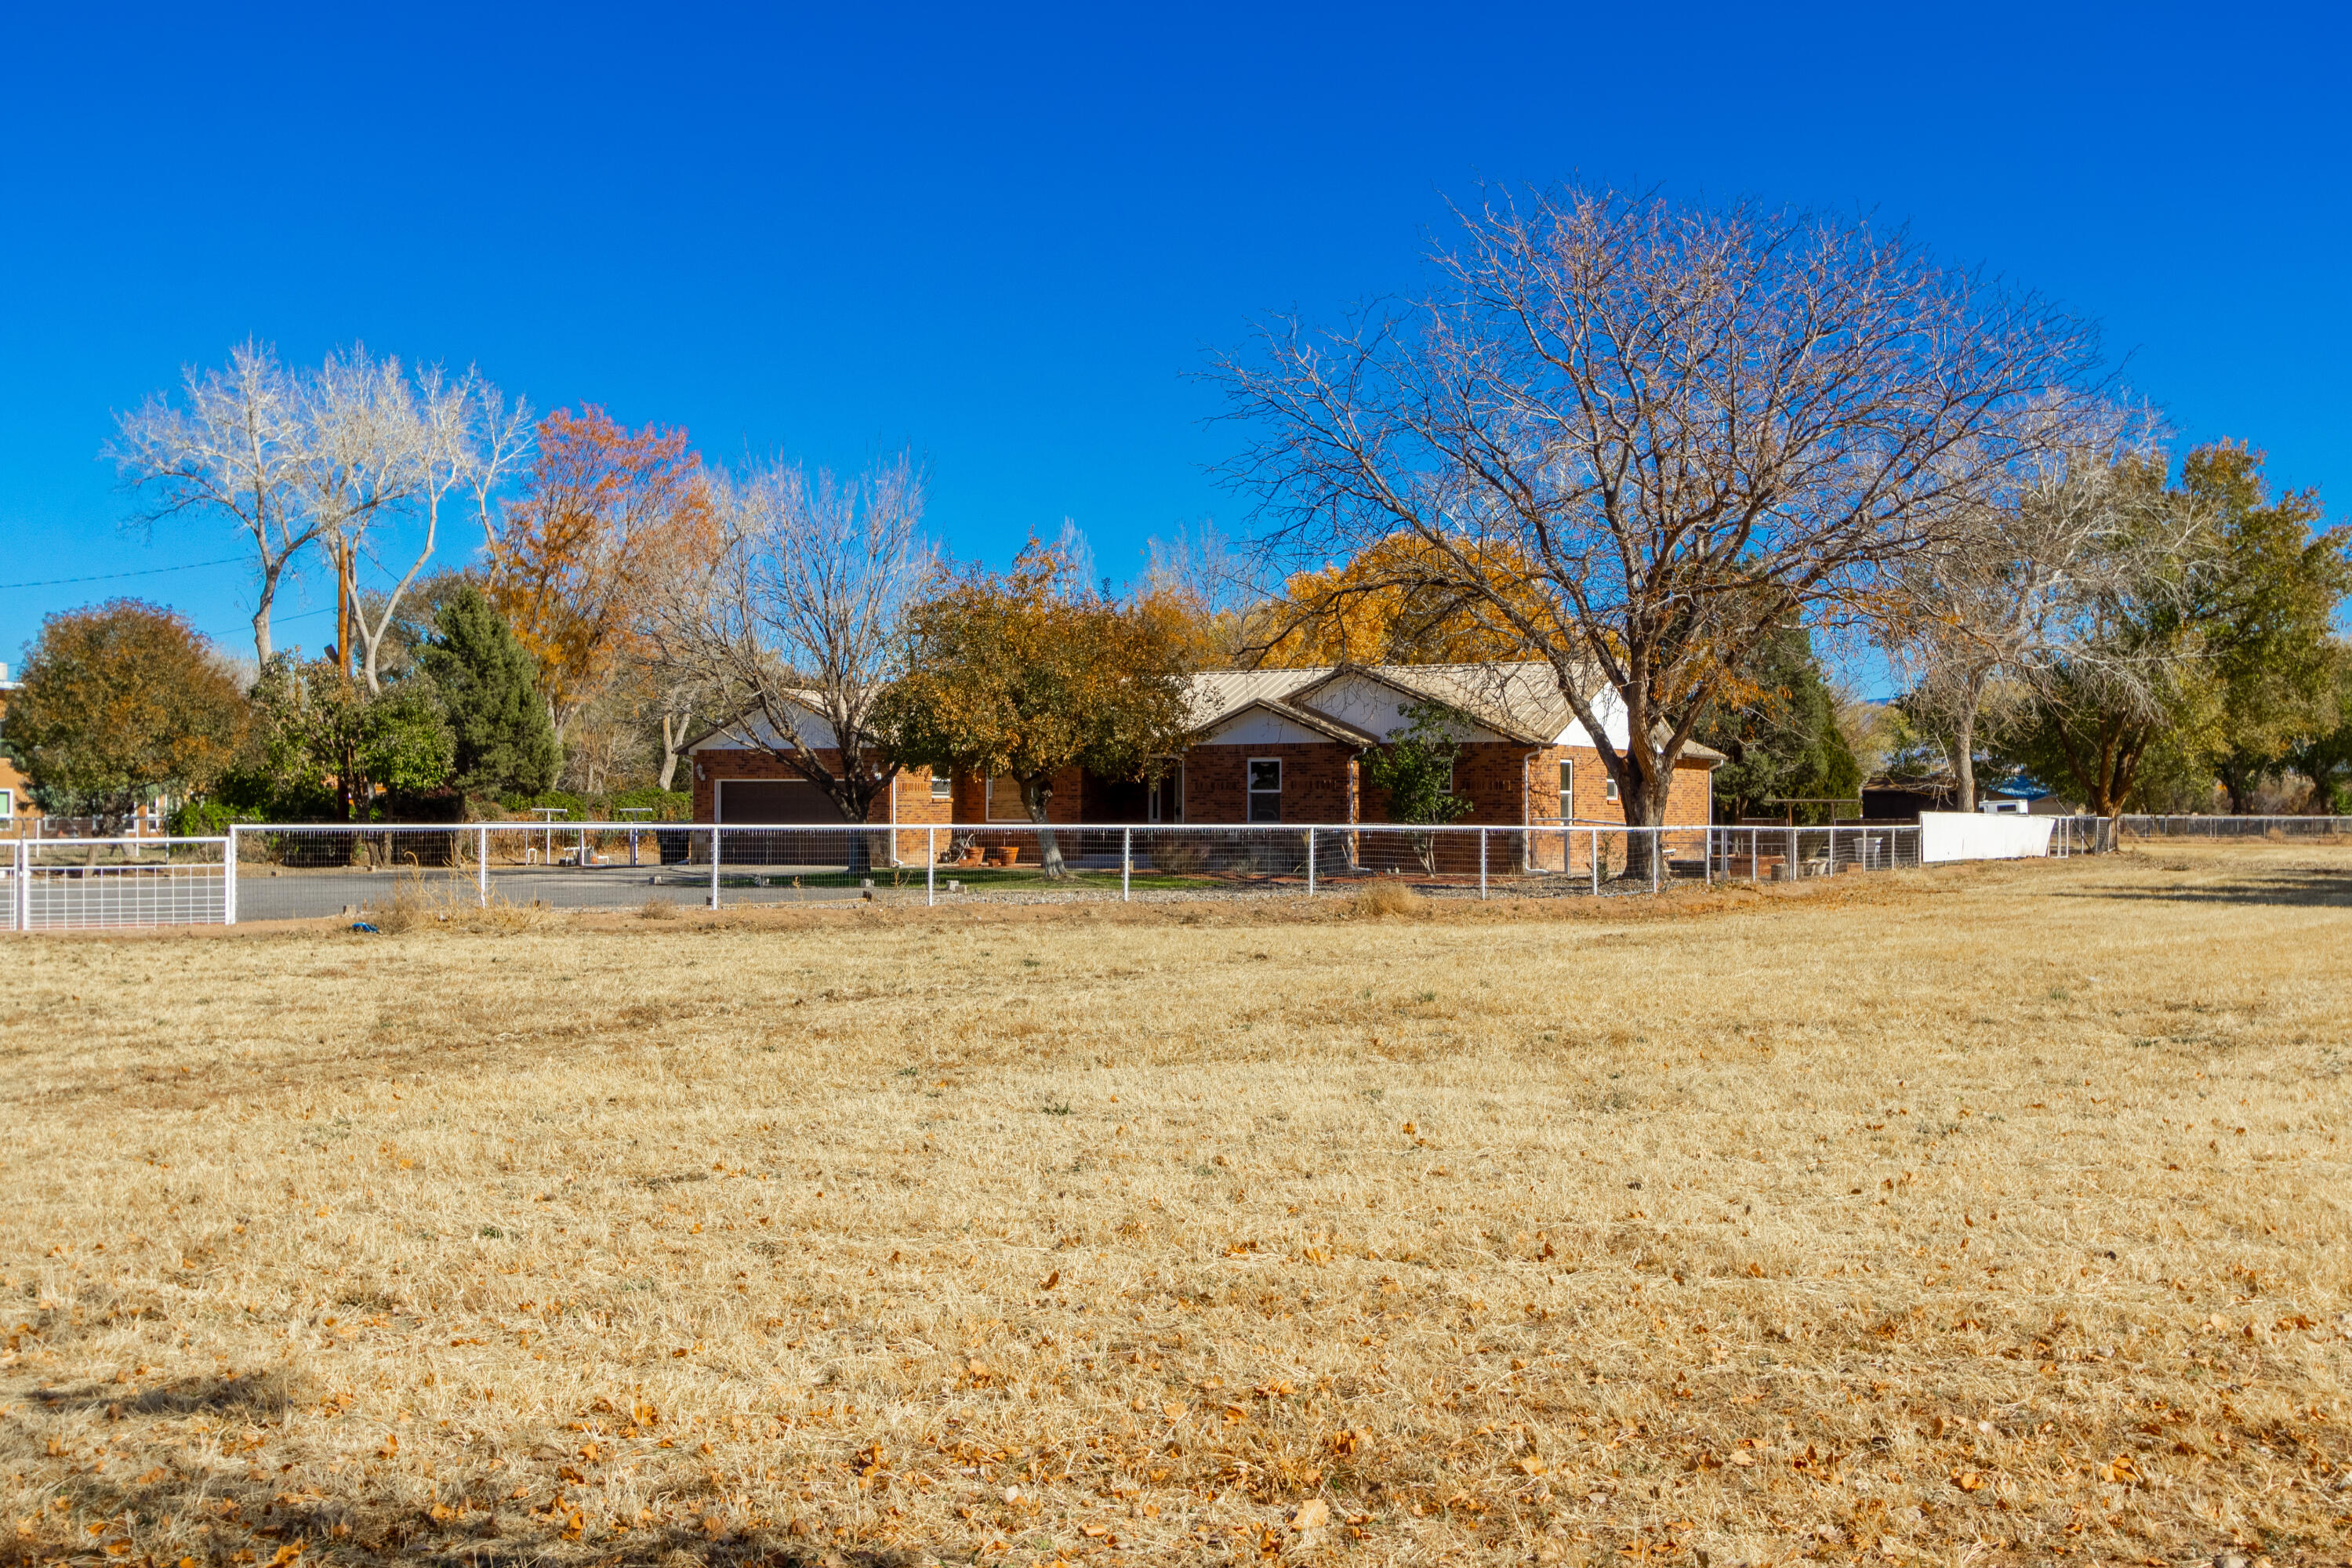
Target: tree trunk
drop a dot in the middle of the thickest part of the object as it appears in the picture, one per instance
(1036, 791)
(1963, 753)
(671, 740)
(1643, 803)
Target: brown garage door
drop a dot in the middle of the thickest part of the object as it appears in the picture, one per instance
(774, 801)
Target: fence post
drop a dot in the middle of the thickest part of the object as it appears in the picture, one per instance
(1592, 861)
(930, 866)
(714, 865)
(1126, 860)
(229, 878)
(1311, 862)
(1482, 862)
(1657, 858)
(482, 867)
(20, 897)
(1754, 849)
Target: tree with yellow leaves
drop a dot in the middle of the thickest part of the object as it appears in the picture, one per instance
(1024, 675)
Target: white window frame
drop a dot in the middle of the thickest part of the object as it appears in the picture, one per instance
(1567, 789)
(1608, 788)
(942, 784)
(1250, 792)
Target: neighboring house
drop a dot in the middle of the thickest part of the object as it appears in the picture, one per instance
(739, 785)
(18, 813)
(1278, 746)
(1903, 799)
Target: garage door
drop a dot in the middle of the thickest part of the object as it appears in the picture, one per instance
(774, 801)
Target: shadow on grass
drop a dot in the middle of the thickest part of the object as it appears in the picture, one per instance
(2305, 889)
(244, 1511)
(259, 1395)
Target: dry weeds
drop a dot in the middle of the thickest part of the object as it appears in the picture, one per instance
(1378, 899)
(1992, 1214)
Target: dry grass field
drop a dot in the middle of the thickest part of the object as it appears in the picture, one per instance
(1982, 1216)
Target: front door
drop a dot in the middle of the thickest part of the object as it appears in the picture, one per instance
(1165, 799)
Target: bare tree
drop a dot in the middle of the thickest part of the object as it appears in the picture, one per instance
(442, 436)
(1636, 437)
(802, 614)
(235, 450)
(1991, 608)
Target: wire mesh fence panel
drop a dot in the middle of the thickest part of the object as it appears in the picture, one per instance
(309, 871)
(396, 873)
(2213, 827)
(65, 884)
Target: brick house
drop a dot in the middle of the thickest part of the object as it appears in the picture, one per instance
(739, 785)
(1278, 746)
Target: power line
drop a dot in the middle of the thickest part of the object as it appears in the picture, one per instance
(109, 577)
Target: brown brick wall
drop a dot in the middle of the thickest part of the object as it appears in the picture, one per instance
(915, 807)
(1316, 782)
(1506, 782)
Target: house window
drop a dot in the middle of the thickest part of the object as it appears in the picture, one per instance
(1608, 790)
(942, 784)
(1568, 792)
(1265, 789)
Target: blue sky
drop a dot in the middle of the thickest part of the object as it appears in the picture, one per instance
(1008, 240)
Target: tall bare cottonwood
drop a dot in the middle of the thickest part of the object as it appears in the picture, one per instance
(1637, 436)
(234, 451)
(802, 615)
(1994, 605)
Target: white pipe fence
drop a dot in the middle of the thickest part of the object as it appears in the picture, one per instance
(60, 884)
(299, 871)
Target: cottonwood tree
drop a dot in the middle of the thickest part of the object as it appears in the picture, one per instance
(2272, 594)
(800, 616)
(1025, 675)
(235, 450)
(122, 702)
(1692, 427)
(2208, 651)
(606, 515)
(2128, 675)
(321, 458)
(412, 445)
(1986, 610)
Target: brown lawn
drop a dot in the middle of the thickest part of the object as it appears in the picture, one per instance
(1987, 1215)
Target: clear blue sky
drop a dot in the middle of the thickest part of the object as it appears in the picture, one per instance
(1009, 239)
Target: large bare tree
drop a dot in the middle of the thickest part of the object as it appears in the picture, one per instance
(804, 614)
(414, 445)
(321, 458)
(1636, 436)
(1997, 604)
(234, 451)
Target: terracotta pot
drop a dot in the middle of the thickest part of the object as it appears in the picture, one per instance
(1011, 853)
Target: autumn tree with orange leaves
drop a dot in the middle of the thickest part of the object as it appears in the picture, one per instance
(606, 515)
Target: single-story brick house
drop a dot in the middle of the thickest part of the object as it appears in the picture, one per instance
(1276, 746)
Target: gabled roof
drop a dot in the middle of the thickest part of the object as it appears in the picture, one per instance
(1323, 724)
(1521, 702)
(728, 730)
